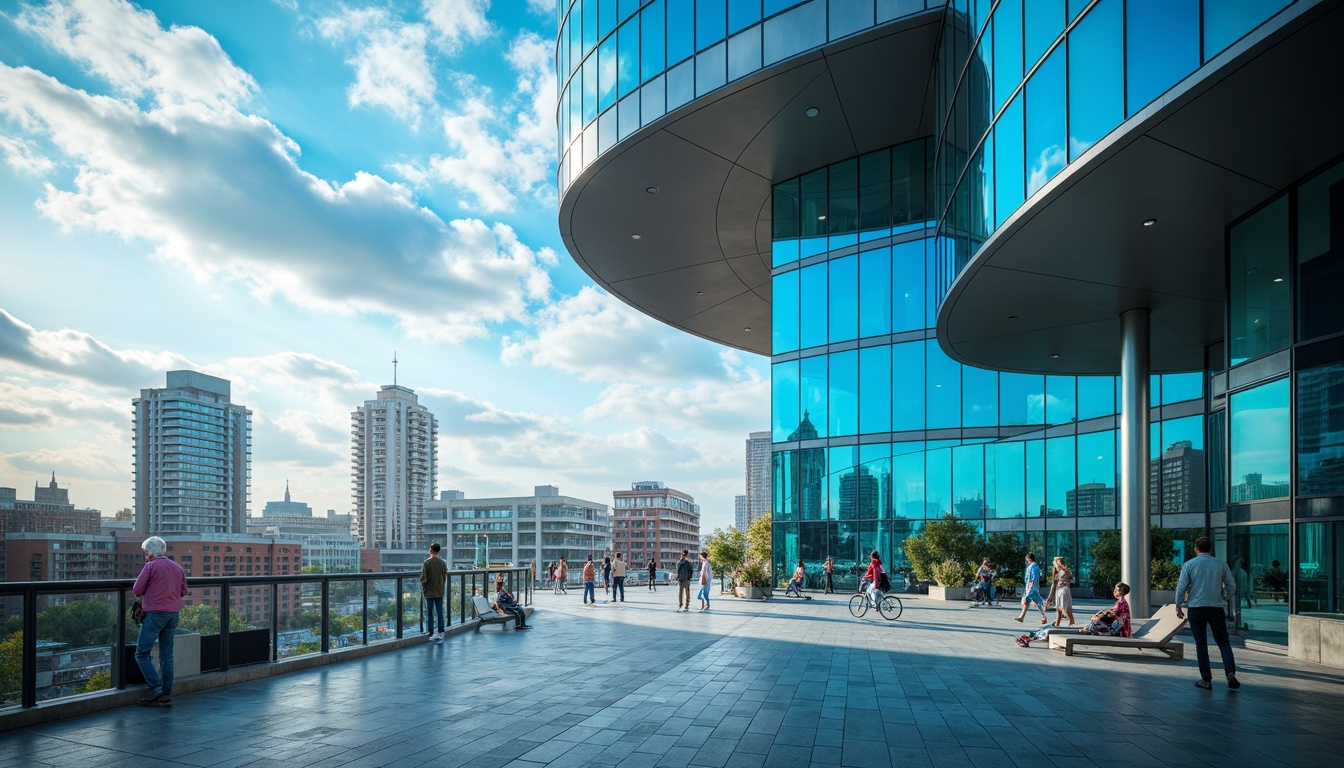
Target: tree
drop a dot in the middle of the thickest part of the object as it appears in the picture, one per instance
(758, 539)
(1164, 544)
(727, 549)
(78, 624)
(11, 667)
(1006, 551)
(100, 681)
(950, 538)
(205, 620)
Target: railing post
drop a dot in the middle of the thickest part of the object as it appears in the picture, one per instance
(275, 622)
(326, 615)
(365, 582)
(119, 645)
(224, 610)
(28, 687)
(400, 628)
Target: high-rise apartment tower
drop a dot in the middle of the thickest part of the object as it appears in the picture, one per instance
(394, 462)
(758, 476)
(193, 457)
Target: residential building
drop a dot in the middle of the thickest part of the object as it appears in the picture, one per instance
(395, 461)
(193, 457)
(540, 528)
(50, 511)
(241, 555)
(995, 252)
(652, 520)
(759, 452)
(741, 515)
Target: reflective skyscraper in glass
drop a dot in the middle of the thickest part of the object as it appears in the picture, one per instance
(1056, 267)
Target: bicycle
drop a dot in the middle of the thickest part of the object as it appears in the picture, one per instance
(890, 607)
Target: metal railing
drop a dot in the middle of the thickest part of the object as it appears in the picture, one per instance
(311, 593)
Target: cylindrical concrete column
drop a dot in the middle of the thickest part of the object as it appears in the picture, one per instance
(1134, 448)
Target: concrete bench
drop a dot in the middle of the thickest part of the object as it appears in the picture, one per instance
(1156, 633)
(486, 614)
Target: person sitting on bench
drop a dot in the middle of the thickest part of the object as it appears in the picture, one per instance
(1110, 621)
(504, 602)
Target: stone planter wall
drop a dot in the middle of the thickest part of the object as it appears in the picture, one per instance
(951, 594)
(1316, 639)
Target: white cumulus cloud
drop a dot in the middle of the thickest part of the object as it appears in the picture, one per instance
(392, 68)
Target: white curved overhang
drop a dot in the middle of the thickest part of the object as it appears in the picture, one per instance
(701, 261)
(1054, 279)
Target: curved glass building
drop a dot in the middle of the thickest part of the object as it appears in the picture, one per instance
(1056, 267)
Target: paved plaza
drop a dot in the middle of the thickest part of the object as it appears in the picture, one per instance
(777, 683)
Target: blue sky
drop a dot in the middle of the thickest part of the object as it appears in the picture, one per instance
(285, 192)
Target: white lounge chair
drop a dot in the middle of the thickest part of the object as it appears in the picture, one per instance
(1155, 633)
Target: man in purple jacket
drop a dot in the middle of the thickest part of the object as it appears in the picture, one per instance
(160, 587)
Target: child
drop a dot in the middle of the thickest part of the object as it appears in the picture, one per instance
(1111, 621)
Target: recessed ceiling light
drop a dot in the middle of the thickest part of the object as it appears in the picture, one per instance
(636, 236)
(1278, 279)
(1012, 317)
(1054, 356)
(748, 328)
(821, 218)
(1149, 222)
(651, 190)
(811, 112)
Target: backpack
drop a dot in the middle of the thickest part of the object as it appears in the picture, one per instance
(883, 582)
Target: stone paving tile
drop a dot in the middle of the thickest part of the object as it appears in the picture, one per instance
(748, 685)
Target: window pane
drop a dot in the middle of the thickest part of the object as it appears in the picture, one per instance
(875, 191)
(651, 41)
(968, 481)
(1096, 396)
(1259, 306)
(1178, 387)
(1060, 399)
(1035, 466)
(1320, 430)
(815, 392)
(812, 306)
(589, 25)
(980, 397)
(606, 17)
(1045, 122)
(710, 23)
(907, 481)
(844, 292)
(680, 84)
(907, 296)
(744, 53)
(1096, 77)
(784, 312)
(589, 92)
(943, 388)
(1008, 176)
(1044, 22)
(1226, 22)
(1182, 467)
(784, 400)
(843, 198)
(711, 68)
(1060, 461)
(875, 390)
(1021, 399)
(844, 384)
(652, 101)
(907, 369)
(850, 16)
(785, 207)
(1320, 267)
(1161, 47)
(1320, 568)
(680, 33)
(1007, 50)
(743, 13)
(1096, 494)
(938, 482)
(1259, 436)
(814, 195)
(795, 31)
(627, 62)
(875, 292)
(1009, 475)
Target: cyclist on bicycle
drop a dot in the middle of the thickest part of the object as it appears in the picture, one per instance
(878, 581)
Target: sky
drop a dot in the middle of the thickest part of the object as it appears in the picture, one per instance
(289, 193)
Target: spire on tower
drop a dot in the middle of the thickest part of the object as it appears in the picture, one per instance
(286, 490)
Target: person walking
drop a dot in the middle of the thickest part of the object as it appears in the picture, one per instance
(618, 570)
(1062, 593)
(161, 586)
(829, 570)
(1031, 581)
(1243, 579)
(606, 578)
(561, 576)
(589, 575)
(985, 575)
(706, 578)
(684, 581)
(1205, 583)
(433, 577)
(653, 575)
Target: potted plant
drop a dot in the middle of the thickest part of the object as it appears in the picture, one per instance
(753, 579)
(951, 577)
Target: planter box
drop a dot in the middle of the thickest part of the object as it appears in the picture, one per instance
(751, 593)
(949, 594)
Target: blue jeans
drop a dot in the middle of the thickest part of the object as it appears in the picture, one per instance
(435, 606)
(703, 594)
(588, 592)
(1202, 621)
(159, 627)
(617, 585)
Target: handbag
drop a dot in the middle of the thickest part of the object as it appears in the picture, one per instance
(137, 613)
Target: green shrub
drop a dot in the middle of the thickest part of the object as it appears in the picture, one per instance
(950, 538)
(951, 573)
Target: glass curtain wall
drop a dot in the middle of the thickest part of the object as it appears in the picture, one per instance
(876, 431)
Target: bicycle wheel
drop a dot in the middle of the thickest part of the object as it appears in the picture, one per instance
(891, 607)
(858, 605)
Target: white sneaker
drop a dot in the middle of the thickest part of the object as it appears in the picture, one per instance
(438, 637)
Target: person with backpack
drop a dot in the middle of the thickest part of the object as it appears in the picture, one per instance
(879, 583)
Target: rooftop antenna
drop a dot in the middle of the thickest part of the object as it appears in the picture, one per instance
(394, 368)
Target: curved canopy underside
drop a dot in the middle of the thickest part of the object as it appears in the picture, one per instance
(1251, 123)
(701, 261)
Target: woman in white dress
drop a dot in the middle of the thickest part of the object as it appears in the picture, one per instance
(1061, 595)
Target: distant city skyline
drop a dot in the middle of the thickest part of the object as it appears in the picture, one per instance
(258, 191)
